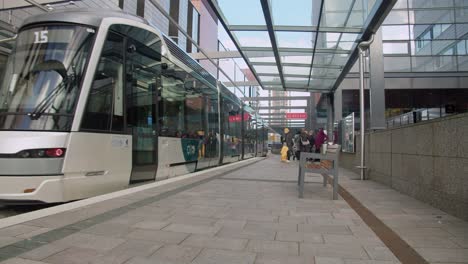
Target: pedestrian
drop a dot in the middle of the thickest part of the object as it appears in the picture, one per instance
(311, 139)
(304, 142)
(288, 139)
(284, 153)
(320, 140)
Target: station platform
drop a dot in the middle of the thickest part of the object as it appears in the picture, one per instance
(247, 212)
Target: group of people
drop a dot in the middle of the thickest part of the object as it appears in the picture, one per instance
(302, 141)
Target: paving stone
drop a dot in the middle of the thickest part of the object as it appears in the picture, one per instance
(73, 255)
(216, 256)
(17, 230)
(21, 261)
(5, 241)
(215, 242)
(328, 260)
(379, 253)
(325, 229)
(108, 229)
(273, 247)
(350, 239)
(134, 248)
(332, 250)
(255, 225)
(158, 236)
(444, 254)
(156, 225)
(176, 253)
(191, 220)
(192, 229)
(88, 241)
(34, 233)
(249, 234)
(281, 259)
(299, 237)
(44, 251)
(231, 223)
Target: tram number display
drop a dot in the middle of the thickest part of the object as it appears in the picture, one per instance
(41, 36)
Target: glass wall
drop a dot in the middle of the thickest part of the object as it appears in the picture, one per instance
(426, 36)
(231, 118)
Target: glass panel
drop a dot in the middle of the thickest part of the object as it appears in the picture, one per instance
(434, 63)
(395, 48)
(299, 58)
(343, 41)
(395, 32)
(295, 39)
(253, 38)
(335, 13)
(269, 78)
(301, 13)
(430, 4)
(401, 4)
(106, 93)
(431, 16)
(42, 81)
(463, 3)
(397, 17)
(296, 70)
(266, 69)
(461, 15)
(427, 48)
(262, 59)
(397, 64)
(437, 31)
(252, 13)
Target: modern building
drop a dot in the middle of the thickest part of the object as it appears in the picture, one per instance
(418, 61)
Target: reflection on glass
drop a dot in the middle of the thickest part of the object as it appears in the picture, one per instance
(295, 39)
(253, 38)
(395, 32)
(248, 16)
(347, 134)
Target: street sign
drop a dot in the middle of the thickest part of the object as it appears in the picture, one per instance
(296, 115)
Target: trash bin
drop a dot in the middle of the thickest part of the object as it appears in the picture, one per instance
(323, 149)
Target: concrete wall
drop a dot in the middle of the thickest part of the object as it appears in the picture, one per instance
(428, 161)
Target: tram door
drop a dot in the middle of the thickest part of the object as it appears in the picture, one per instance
(142, 76)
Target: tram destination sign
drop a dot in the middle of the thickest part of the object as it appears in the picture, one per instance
(296, 116)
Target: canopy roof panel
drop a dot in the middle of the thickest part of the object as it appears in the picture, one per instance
(307, 45)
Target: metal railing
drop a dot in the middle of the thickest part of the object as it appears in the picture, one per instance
(416, 116)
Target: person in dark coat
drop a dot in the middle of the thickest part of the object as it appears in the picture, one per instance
(304, 143)
(320, 140)
(311, 138)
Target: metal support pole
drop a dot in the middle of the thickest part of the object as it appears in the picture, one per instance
(363, 46)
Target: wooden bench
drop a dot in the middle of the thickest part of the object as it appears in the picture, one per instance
(328, 165)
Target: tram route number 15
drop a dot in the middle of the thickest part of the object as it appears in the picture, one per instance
(41, 36)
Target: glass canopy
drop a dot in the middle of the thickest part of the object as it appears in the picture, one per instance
(301, 45)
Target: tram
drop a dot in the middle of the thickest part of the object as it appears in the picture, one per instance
(95, 100)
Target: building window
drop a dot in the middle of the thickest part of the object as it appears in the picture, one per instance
(193, 28)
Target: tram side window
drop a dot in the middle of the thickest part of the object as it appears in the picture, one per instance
(104, 109)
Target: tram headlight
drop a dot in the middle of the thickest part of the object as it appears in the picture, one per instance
(24, 154)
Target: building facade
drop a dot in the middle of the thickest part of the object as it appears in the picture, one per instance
(422, 46)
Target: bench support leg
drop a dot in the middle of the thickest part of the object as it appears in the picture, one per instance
(335, 186)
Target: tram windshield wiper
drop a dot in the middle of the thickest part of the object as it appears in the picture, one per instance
(51, 65)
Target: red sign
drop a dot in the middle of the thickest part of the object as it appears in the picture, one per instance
(296, 115)
(238, 118)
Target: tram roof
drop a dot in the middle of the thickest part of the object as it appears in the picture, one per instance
(300, 45)
(86, 16)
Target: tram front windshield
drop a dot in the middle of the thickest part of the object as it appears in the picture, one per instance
(42, 80)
